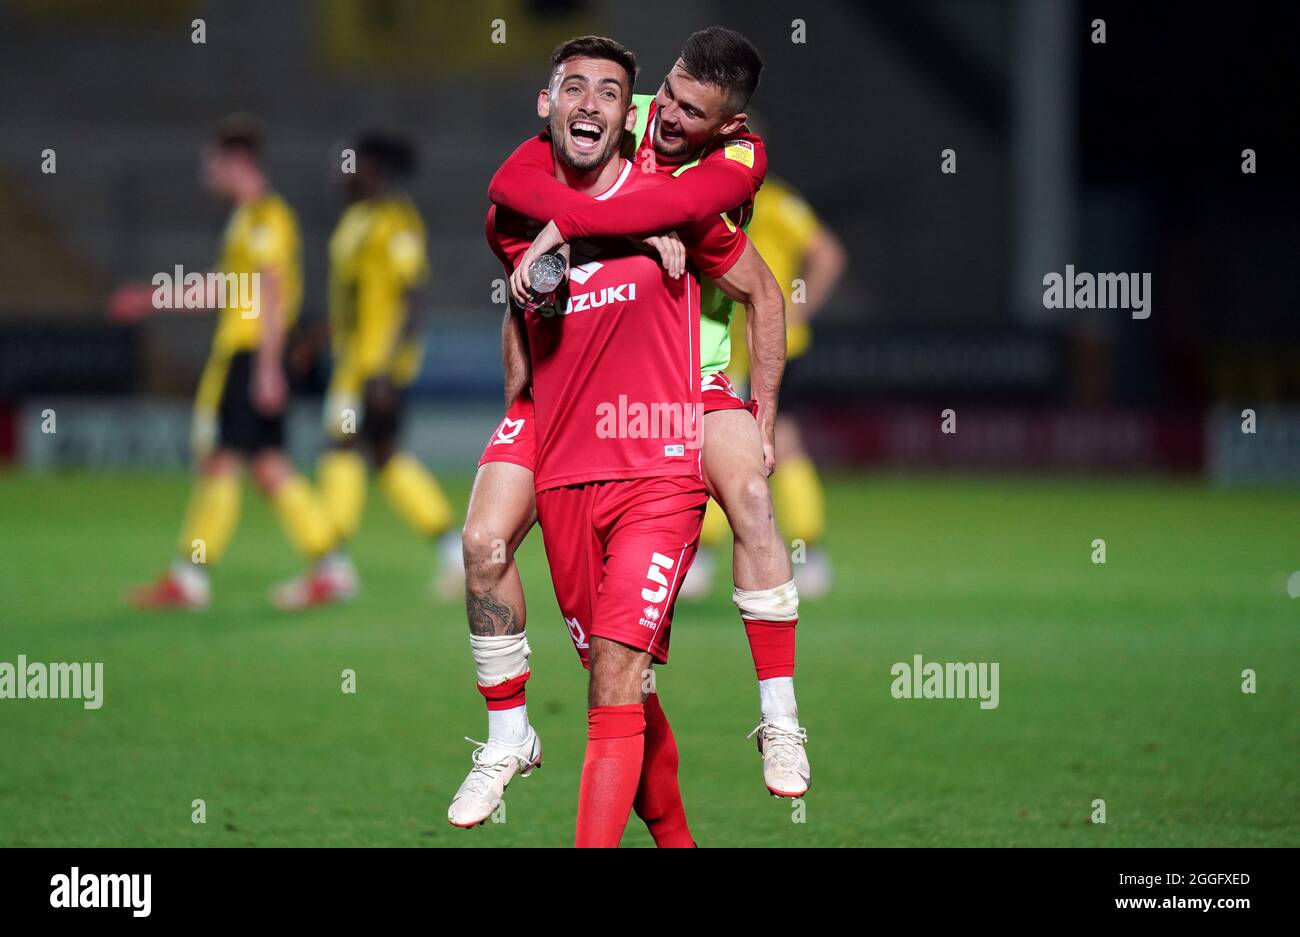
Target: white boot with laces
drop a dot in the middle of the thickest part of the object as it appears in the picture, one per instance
(495, 766)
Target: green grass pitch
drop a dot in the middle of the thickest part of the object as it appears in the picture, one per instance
(1120, 682)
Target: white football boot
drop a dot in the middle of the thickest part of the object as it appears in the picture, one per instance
(342, 572)
(495, 766)
(785, 761)
(333, 579)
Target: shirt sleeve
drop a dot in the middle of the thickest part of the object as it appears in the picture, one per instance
(507, 247)
(714, 245)
(404, 252)
(526, 183)
(493, 236)
(728, 176)
(269, 242)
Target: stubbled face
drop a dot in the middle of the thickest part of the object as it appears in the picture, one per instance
(690, 113)
(587, 105)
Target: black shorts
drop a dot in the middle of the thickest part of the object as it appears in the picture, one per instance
(241, 427)
(384, 404)
(794, 386)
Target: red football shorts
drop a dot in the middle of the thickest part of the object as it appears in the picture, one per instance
(718, 393)
(618, 552)
(513, 440)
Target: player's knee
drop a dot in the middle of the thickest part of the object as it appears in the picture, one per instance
(219, 462)
(269, 472)
(487, 549)
(620, 675)
(749, 510)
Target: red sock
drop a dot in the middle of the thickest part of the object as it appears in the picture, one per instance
(506, 695)
(610, 773)
(658, 798)
(772, 645)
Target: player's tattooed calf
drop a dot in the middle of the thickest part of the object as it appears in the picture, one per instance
(489, 616)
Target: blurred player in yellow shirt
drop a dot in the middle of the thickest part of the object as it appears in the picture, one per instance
(239, 411)
(808, 261)
(378, 266)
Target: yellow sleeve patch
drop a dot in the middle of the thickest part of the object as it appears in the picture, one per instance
(742, 151)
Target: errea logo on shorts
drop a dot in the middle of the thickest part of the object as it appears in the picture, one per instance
(650, 617)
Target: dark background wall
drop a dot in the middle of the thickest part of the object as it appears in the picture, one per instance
(1137, 152)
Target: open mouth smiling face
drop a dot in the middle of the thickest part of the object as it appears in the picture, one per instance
(585, 135)
(690, 112)
(670, 136)
(588, 105)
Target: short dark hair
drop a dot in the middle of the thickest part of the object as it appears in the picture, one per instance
(241, 133)
(726, 59)
(392, 153)
(595, 47)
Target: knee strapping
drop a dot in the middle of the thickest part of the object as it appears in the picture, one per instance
(780, 603)
(498, 658)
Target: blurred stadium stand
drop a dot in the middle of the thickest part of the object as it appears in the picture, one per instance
(930, 315)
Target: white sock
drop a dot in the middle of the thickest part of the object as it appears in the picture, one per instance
(776, 702)
(497, 659)
(508, 726)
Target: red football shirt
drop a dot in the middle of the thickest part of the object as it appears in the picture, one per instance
(615, 358)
